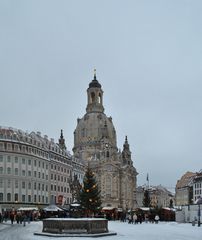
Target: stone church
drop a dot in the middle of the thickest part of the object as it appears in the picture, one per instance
(95, 142)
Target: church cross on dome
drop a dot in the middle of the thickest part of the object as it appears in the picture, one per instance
(95, 74)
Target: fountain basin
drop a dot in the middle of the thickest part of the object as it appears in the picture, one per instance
(75, 225)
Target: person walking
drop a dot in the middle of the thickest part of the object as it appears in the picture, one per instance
(134, 218)
(24, 219)
(12, 217)
(156, 218)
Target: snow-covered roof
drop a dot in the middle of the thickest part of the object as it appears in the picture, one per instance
(33, 138)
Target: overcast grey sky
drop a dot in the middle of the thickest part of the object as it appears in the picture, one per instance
(148, 56)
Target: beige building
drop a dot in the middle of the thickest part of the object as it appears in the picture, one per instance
(197, 186)
(189, 188)
(95, 142)
(34, 171)
(184, 189)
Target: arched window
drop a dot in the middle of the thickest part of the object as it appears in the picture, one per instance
(99, 98)
(108, 186)
(16, 197)
(1, 197)
(8, 197)
(92, 97)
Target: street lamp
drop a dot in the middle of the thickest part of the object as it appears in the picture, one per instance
(199, 202)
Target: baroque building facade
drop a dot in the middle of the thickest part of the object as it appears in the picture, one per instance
(189, 188)
(95, 142)
(159, 196)
(184, 189)
(34, 170)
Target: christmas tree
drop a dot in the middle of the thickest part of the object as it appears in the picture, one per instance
(90, 195)
(146, 200)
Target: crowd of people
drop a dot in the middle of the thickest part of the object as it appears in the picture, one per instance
(133, 217)
(20, 217)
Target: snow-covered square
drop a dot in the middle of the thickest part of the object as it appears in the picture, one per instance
(144, 231)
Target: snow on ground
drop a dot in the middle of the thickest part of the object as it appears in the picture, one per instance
(144, 231)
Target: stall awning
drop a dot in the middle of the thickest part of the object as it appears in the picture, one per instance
(107, 208)
(28, 209)
(52, 208)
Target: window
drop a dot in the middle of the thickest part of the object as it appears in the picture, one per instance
(34, 198)
(1, 146)
(16, 159)
(29, 185)
(51, 176)
(1, 183)
(23, 173)
(1, 158)
(108, 186)
(35, 163)
(39, 186)
(16, 171)
(23, 185)
(39, 174)
(1, 170)
(16, 184)
(8, 159)
(23, 161)
(23, 198)
(29, 173)
(29, 162)
(8, 197)
(16, 197)
(29, 198)
(1, 197)
(35, 174)
(8, 170)
(35, 186)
